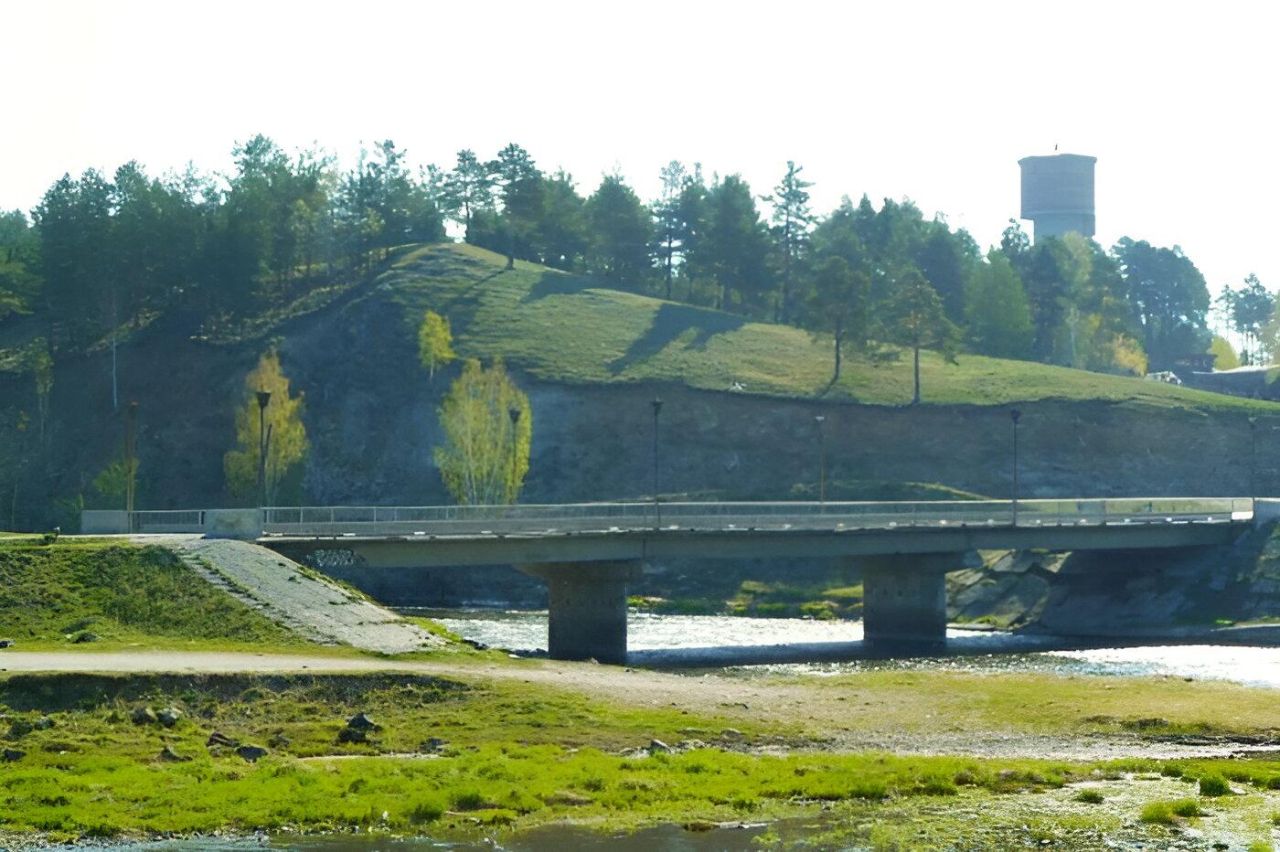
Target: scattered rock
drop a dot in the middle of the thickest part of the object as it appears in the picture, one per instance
(168, 755)
(217, 738)
(6, 643)
(169, 716)
(479, 646)
(10, 755)
(278, 740)
(362, 722)
(659, 747)
(251, 753)
(731, 734)
(44, 723)
(433, 744)
(86, 636)
(353, 735)
(144, 716)
(19, 728)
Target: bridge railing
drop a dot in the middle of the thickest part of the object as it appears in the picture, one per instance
(538, 519)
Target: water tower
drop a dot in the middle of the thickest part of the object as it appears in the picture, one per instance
(1057, 194)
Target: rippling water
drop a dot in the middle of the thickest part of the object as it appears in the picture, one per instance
(823, 648)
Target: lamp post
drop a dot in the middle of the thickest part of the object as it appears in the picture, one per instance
(264, 442)
(657, 508)
(1015, 415)
(130, 450)
(514, 413)
(1253, 457)
(822, 459)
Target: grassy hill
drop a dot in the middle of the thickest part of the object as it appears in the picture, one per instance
(570, 328)
(100, 593)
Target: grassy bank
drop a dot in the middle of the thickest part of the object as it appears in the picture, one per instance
(455, 756)
(522, 315)
(100, 593)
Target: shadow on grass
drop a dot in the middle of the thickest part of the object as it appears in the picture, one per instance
(670, 322)
(558, 284)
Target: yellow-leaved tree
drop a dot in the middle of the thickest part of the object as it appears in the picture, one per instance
(435, 343)
(488, 432)
(278, 425)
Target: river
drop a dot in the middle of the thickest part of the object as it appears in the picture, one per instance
(806, 646)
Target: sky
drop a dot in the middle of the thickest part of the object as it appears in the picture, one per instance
(931, 101)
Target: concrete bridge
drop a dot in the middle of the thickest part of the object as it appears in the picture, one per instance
(588, 553)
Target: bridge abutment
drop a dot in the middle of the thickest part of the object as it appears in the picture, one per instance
(904, 603)
(587, 603)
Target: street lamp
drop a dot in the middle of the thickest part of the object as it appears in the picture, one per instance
(130, 464)
(264, 442)
(1253, 456)
(657, 509)
(1015, 415)
(514, 413)
(822, 458)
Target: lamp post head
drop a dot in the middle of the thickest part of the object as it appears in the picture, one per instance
(1015, 415)
(264, 397)
(657, 406)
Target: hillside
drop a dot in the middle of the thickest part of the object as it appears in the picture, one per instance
(591, 359)
(567, 328)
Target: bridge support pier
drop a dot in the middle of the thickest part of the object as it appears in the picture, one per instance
(587, 608)
(904, 603)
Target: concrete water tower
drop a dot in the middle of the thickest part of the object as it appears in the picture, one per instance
(1057, 194)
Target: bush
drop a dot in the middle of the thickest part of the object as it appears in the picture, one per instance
(1214, 785)
(1090, 797)
(1166, 813)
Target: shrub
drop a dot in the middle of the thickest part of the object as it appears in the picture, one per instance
(1090, 797)
(1166, 813)
(1214, 785)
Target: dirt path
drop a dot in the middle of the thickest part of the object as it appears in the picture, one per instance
(825, 714)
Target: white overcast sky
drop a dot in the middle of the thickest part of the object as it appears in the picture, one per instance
(932, 101)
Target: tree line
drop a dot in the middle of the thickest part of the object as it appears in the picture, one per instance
(100, 254)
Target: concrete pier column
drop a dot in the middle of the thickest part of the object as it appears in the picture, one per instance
(904, 604)
(587, 604)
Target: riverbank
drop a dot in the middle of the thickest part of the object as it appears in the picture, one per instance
(499, 747)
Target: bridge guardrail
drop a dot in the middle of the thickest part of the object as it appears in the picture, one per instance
(610, 517)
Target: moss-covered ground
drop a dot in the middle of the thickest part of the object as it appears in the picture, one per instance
(451, 756)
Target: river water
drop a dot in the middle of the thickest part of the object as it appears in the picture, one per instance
(824, 648)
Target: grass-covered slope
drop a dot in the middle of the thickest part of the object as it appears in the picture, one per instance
(93, 593)
(570, 328)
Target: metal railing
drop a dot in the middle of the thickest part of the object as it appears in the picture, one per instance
(535, 519)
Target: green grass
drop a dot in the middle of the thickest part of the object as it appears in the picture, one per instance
(570, 328)
(52, 594)
(454, 755)
(503, 753)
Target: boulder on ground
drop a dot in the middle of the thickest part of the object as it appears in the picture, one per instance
(217, 738)
(168, 755)
(251, 753)
(169, 716)
(143, 716)
(362, 722)
(10, 755)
